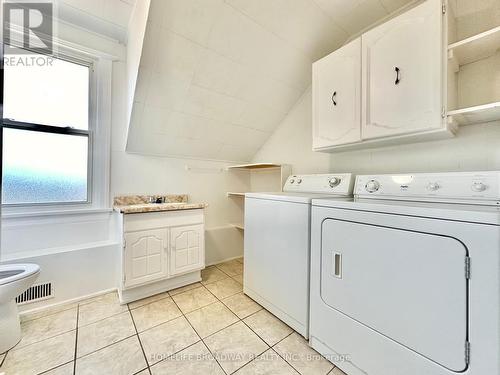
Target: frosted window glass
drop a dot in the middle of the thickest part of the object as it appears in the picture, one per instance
(43, 167)
(56, 94)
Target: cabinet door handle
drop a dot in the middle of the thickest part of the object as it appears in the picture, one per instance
(334, 96)
(398, 78)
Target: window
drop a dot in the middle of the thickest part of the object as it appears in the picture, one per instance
(47, 137)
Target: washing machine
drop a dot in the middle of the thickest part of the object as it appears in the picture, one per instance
(277, 244)
(405, 278)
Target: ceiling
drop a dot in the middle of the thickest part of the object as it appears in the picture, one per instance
(105, 17)
(217, 77)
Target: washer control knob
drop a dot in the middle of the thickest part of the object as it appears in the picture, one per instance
(334, 181)
(478, 186)
(292, 181)
(299, 181)
(372, 186)
(433, 186)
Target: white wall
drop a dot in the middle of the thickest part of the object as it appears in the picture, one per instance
(476, 147)
(205, 181)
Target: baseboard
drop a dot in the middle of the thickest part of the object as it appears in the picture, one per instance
(225, 260)
(69, 301)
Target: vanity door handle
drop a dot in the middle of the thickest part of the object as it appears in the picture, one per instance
(398, 77)
(334, 96)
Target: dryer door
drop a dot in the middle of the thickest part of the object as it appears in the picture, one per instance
(409, 286)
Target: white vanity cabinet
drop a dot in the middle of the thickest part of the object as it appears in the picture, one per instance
(161, 251)
(393, 76)
(186, 249)
(145, 256)
(337, 97)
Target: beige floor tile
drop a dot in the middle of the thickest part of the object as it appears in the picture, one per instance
(240, 260)
(194, 360)
(143, 372)
(99, 308)
(103, 333)
(238, 278)
(241, 305)
(211, 318)
(2, 356)
(337, 371)
(194, 299)
(41, 356)
(168, 338)
(224, 288)
(232, 268)
(155, 313)
(123, 358)
(145, 301)
(268, 363)
(27, 316)
(66, 369)
(212, 274)
(46, 327)
(183, 289)
(268, 327)
(303, 358)
(235, 346)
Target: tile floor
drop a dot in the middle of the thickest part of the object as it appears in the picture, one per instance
(204, 328)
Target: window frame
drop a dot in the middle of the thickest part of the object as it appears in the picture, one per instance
(99, 132)
(53, 129)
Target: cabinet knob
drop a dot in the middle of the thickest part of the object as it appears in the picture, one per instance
(398, 78)
(334, 97)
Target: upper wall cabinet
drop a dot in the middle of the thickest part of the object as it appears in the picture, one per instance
(402, 74)
(337, 97)
(399, 75)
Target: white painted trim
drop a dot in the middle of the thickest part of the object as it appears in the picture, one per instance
(72, 211)
(67, 302)
(222, 261)
(58, 250)
(100, 129)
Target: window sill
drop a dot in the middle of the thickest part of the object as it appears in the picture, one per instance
(58, 212)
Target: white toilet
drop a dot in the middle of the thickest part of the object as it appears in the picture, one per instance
(14, 280)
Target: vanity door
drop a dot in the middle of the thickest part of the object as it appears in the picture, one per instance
(145, 256)
(187, 249)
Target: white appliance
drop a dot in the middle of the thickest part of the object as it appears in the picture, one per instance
(405, 279)
(277, 244)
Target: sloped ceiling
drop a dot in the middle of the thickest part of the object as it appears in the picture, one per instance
(216, 77)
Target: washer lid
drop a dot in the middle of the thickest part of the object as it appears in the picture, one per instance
(292, 196)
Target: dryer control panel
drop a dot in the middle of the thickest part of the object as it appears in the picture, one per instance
(452, 187)
(335, 183)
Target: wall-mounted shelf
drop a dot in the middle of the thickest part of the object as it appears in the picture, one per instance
(255, 166)
(476, 47)
(238, 226)
(477, 114)
(234, 194)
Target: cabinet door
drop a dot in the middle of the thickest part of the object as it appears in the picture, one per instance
(336, 97)
(145, 256)
(402, 73)
(187, 249)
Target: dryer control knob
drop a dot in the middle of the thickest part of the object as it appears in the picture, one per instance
(299, 181)
(479, 187)
(372, 186)
(292, 181)
(334, 181)
(433, 186)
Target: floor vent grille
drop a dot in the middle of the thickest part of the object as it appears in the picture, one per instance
(35, 293)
